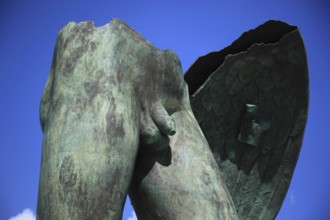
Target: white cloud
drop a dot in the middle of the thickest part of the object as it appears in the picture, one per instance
(27, 214)
(133, 216)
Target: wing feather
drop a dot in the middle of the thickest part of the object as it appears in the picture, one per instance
(272, 75)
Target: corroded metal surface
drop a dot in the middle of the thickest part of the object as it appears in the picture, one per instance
(256, 150)
(103, 82)
(110, 94)
(117, 119)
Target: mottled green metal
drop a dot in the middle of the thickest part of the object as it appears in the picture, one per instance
(252, 107)
(182, 181)
(117, 120)
(109, 95)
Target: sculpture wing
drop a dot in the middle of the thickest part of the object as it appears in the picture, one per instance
(251, 102)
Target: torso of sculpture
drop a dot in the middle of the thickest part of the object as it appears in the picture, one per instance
(119, 118)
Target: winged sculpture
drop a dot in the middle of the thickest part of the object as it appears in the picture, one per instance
(119, 118)
(251, 101)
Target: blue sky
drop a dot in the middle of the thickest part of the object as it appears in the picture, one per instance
(191, 29)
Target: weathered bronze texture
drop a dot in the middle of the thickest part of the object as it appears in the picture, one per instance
(117, 120)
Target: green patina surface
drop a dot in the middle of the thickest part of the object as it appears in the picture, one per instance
(109, 95)
(117, 120)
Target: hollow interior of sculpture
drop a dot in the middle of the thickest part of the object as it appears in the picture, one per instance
(268, 33)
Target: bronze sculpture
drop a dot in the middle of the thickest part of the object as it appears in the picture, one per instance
(117, 119)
